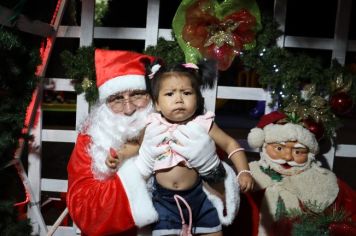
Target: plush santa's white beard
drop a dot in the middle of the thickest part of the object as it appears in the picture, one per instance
(110, 130)
(267, 162)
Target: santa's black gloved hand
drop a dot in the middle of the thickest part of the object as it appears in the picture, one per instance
(151, 148)
(195, 144)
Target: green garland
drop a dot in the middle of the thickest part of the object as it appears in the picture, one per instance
(101, 9)
(18, 64)
(9, 223)
(17, 82)
(311, 223)
(169, 51)
(285, 74)
(81, 69)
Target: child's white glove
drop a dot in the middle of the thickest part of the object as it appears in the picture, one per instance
(151, 148)
(195, 144)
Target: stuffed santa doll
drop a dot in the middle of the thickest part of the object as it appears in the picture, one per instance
(289, 179)
(103, 201)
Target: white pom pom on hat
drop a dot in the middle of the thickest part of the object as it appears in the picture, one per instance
(256, 138)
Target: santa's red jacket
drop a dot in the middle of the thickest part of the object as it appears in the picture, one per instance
(103, 207)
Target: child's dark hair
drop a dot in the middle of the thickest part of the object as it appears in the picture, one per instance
(203, 75)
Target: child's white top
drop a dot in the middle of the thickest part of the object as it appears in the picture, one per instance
(171, 158)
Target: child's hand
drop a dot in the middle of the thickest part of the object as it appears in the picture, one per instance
(128, 150)
(113, 161)
(246, 181)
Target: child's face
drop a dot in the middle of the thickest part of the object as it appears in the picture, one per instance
(177, 100)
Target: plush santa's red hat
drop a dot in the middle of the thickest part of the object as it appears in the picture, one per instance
(118, 71)
(273, 128)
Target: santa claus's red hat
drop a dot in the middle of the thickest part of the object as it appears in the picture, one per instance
(273, 127)
(118, 71)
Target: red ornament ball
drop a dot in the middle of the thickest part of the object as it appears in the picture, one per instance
(316, 128)
(341, 103)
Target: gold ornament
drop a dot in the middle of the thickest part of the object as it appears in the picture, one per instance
(308, 91)
(340, 85)
(221, 34)
(318, 102)
(86, 84)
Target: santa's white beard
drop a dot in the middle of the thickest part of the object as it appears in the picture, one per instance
(110, 130)
(267, 162)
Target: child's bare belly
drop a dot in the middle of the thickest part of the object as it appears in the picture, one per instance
(177, 178)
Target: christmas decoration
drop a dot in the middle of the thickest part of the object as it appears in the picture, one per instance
(312, 110)
(341, 100)
(17, 81)
(298, 83)
(9, 223)
(341, 103)
(169, 51)
(305, 222)
(101, 8)
(213, 29)
(80, 68)
(285, 73)
(316, 128)
(342, 89)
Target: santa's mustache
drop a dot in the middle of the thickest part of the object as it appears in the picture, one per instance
(291, 163)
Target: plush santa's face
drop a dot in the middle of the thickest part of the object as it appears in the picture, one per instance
(287, 158)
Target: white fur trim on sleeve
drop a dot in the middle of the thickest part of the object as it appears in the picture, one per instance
(232, 197)
(121, 84)
(137, 192)
(100, 170)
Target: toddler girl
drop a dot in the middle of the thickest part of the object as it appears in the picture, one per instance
(176, 94)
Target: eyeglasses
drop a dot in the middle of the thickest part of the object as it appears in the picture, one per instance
(137, 98)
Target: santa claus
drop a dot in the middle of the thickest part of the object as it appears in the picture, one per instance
(288, 179)
(106, 201)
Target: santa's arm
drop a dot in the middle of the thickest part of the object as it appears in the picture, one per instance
(98, 207)
(227, 207)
